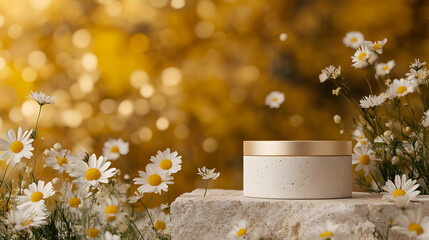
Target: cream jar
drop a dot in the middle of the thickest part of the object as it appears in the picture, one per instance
(297, 169)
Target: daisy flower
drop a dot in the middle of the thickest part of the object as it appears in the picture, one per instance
(425, 120)
(94, 172)
(58, 160)
(383, 69)
(41, 98)
(153, 180)
(362, 142)
(413, 224)
(93, 232)
(358, 133)
(376, 46)
(16, 146)
(364, 157)
(361, 57)
(165, 208)
(353, 39)
(402, 186)
(135, 197)
(74, 199)
(21, 219)
(167, 161)
(208, 174)
(110, 210)
(417, 65)
(161, 222)
(35, 196)
(274, 99)
(400, 88)
(402, 201)
(330, 73)
(113, 148)
(328, 231)
(419, 76)
(371, 101)
(109, 236)
(239, 231)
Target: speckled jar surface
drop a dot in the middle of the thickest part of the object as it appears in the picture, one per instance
(284, 171)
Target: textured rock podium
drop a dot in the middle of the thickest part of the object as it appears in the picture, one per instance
(213, 217)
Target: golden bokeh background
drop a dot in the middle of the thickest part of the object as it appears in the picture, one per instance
(191, 75)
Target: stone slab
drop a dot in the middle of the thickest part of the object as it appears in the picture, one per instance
(214, 216)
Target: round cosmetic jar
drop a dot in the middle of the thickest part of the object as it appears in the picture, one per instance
(297, 169)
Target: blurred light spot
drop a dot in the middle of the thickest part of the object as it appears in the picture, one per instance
(138, 78)
(81, 38)
(75, 92)
(139, 43)
(135, 138)
(177, 4)
(95, 124)
(249, 73)
(86, 83)
(116, 124)
(15, 31)
(147, 90)
(36, 59)
(2, 63)
(108, 106)
(29, 108)
(89, 61)
(283, 37)
(238, 95)
(126, 108)
(204, 29)
(210, 145)
(15, 115)
(158, 3)
(171, 76)
(113, 8)
(71, 118)
(145, 133)
(162, 123)
(157, 102)
(296, 120)
(29, 74)
(181, 131)
(85, 109)
(62, 98)
(206, 9)
(1, 21)
(40, 4)
(141, 107)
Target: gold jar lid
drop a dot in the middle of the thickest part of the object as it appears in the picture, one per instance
(297, 148)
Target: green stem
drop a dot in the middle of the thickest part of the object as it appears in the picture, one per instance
(141, 235)
(379, 188)
(151, 220)
(4, 174)
(207, 185)
(367, 81)
(38, 116)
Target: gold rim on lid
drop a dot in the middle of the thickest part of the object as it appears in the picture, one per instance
(297, 148)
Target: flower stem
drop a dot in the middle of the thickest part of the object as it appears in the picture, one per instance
(367, 81)
(4, 175)
(137, 228)
(35, 132)
(151, 220)
(207, 185)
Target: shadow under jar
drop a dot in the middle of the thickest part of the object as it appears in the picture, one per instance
(297, 169)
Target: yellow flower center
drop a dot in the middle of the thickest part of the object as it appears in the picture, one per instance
(61, 160)
(398, 192)
(154, 180)
(326, 234)
(275, 99)
(36, 196)
(111, 211)
(363, 141)
(364, 159)
(166, 164)
(385, 68)
(28, 222)
(74, 202)
(160, 225)
(241, 232)
(16, 147)
(92, 233)
(361, 56)
(377, 46)
(92, 174)
(401, 90)
(114, 149)
(353, 40)
(416, 228)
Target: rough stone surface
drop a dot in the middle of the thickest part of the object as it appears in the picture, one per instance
(213, 217)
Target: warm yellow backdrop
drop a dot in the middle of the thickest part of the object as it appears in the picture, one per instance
(190, 75)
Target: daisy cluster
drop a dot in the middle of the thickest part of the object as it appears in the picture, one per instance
(87, 198)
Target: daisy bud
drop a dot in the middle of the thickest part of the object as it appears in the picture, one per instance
(337, 119)
(118, 172)
(395, 160)
(336, 91)
(46, 152)
(43, 139)
(407, 130)
(341, 131)
(55, 180)
(57, 146)
(44, 166)
(387, 133)
(127, 177)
